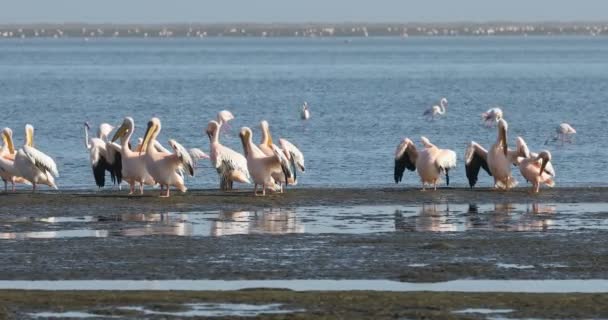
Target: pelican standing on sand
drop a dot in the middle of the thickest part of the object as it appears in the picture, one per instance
(496, 162)
(166, 168)
(133, 164)
(535, 167)
(305, 112)
(491, 117)
(8, 171)
(102, 157)
(293, 155)
(34, 165)
(430, 162)
(436, 110)
(563, 133)
(231, 166)
(261, 166)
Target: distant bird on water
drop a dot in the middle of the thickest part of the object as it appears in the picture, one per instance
(563, 133)
(437, 110)
(305, 113)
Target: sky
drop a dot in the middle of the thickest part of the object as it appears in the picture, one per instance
(266, 11)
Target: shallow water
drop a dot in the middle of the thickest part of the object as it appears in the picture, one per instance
(365, 95)
(317, 220)
(527, 286)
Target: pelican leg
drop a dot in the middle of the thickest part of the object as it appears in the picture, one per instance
(33, 187)
(435, 185)
(255, 189)
(263, 189)
(6, 186)
(141, 187)
(13, 185)
(423, 186)
(131, 187)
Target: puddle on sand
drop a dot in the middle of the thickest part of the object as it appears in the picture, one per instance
(318, 220)
(514, 266)
(528, 286)
(483, 311)
(67, 314)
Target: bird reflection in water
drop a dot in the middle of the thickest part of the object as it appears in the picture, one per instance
(510, 217)
(432, 217)
(171, 224)
(273, 221)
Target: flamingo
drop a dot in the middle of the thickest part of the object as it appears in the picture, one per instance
(261, 166)
(496, 162)
(291, 153)
(231, 166)
(132, 161)
(8, 172)
(437, 110)
(491, 117)
(563, 133)
(305, 113)
(102, 157)
(165, 167)
(34, 165)
(430, 162)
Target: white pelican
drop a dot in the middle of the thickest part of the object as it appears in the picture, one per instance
(490, 117)
(8, 172)
(496, 162)
(430, 162)
(133, 164)
(261, 166)
(166, 168)
(231, 166)
(223, 117)
(293, 155)
(563, 133)
(102, 157)
(535, 167)
(437, 110)
(34, 165)
(305, 113)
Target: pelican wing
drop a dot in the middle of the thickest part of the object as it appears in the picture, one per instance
(197, 154)
(182, 156)
(286, 165)
(405, 158)
(114, 158)
(446, 160)
(476, 158)
(521, 150)
(227, 163)
(293, 153)
(43, 162)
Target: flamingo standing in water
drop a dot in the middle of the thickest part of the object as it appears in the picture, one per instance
(430, 162)
(305, 113)
(437, 110)
(563, 133)
(491, 117)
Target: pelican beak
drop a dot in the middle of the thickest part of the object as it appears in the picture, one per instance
(147, 137)
(8, 141)
(503, 137)
(244, 139)
(29, 136)
(121, 132)
(543, 164)
(302, 168)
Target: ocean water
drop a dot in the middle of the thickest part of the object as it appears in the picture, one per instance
(365, 95)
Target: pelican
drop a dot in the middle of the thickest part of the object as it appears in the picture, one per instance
(231, 166)
(261, 166)
(291, 153)
(133, 165)
(166, 168)
(34, 165)
(102, 157)
(496, 162)
(305, 113)
(223, 117)
(437, 110)
(8, 172)
(563, 133)
(536, 167)
(490, 117)
(430, 162)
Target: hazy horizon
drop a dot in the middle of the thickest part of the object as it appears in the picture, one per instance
(311, 11)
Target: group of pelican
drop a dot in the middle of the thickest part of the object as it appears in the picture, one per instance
(431, 162)
(149, 163)
(27, 165)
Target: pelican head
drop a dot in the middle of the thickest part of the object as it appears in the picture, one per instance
(7, 137)
(126, 127)
(444, 102)
(425, 141)
(152, 131)
(245, 135)
(29, 135)
(104, 130)
(544, 157)
(402, 146)
(224, 116)
(503, 126)
(212, 128)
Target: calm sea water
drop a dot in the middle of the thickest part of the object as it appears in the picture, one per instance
(365, 95)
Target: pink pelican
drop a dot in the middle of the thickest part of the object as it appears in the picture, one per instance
(291, 152)
(8, 171)
(563, 133)
(231, 166)
(535, 167)
(437, 110)
(430, 162)
(166, 168)
(305, 112)
(102, 157)
(491, 117)
(33, 165)
(261, 166)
